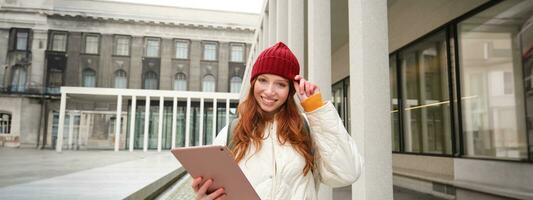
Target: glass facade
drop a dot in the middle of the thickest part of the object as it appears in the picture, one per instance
(483, 61)
(194, 137)
(493, 77)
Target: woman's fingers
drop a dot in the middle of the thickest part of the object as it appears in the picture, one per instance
(216, 194)
(204, 187)
(195, 183)
(302, 86)
(221, 197)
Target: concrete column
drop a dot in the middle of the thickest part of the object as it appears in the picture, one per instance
(266, 33)
(118, 124)
(296, 31)
(38, 49)
(132, 122)
(319, 50)
(272, 22)
(282, 25)
(370, 114)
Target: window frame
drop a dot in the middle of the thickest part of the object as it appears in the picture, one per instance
(243, 46)
(83, 77)
(51, 40)
(13, 39)
(175, 49)
(8, 123)
(204, 44)
(115, 45)
(115, 76)
(146, 39)
(98, 43)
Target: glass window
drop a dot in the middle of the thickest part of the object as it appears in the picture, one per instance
(180, 82)
(237, 53)
(152, 47)
(55, 81)
(494, 52)
(59, 41)
(89, 78)
(235, 84)
(182, 49)
(18, 80)
(208, 83)
(150, 81)
(122, 46)
(210, 51)
(5, 123)
(395, 114)
(121, 80)
(22, 40)
(91, 44)
(426, 103)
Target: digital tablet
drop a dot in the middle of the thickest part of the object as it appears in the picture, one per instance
(217, 163)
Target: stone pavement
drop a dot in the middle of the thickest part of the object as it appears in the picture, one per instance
(46, 174)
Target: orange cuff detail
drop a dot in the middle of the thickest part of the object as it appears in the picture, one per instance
(313, 102)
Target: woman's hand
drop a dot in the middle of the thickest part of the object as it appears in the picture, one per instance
(201, 191)
(304, 88)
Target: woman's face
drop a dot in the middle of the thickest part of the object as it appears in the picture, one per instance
(270, 92)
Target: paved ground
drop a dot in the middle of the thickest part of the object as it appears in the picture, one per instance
(406, 194)
(37, 174)
(22, 165)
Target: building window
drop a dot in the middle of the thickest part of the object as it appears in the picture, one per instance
(208, 83)
(395, 114)
(426, 105)
(91, 43)
(341, 98)
(122, 46)
(89, 78)
(18, 79)
(59, 41)
(237, 53)
(494, 52)
(121, 80)
(152, 47)
(180, 82)
(150, 81)
(182, 49)
(20, 37)
(55, 81)
(235, 84)
(210, 51)
(5, 123)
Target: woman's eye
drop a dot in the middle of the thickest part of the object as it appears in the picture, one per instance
(282, 85)
(261, 80)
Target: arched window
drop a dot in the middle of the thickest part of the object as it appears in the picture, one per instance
(208, 83)
(150, 80)
(89, 78)
(235, 84)
(18, 80)
(180, 82)
(5, 123)
(121, 79)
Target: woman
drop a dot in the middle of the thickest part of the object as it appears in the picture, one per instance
(271, 142)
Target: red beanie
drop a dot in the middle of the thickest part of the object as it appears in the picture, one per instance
(278, 60)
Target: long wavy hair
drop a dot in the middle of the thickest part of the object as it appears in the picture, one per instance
(290, 128)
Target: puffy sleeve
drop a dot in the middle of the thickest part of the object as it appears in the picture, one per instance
(338, 161)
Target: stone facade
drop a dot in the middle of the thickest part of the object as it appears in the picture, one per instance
(44, 67)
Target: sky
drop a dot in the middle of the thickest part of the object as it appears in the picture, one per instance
(249, 6)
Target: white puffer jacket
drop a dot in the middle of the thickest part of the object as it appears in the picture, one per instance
(276, 171)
